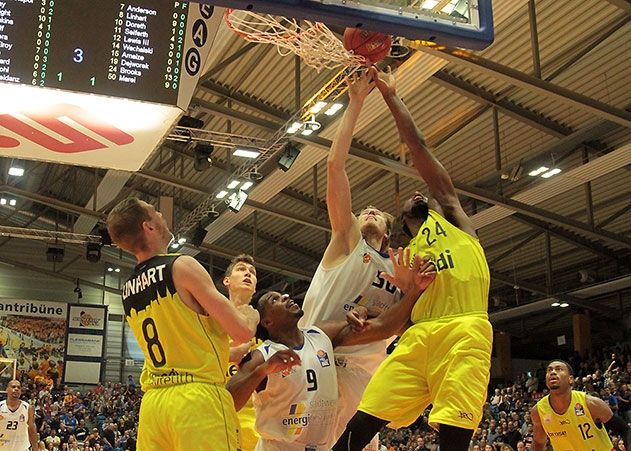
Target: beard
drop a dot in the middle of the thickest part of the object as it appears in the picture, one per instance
(420, 210)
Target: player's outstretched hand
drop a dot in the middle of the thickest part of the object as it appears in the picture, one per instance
(282, 361)
(359, 85)
(251, 315)
(406, 277)
(385, 81)
(356, 318)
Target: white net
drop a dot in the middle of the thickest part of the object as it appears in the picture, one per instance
(316, 45)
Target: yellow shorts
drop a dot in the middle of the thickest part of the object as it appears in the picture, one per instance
(444, 362)
(247, 433)
(188, 417)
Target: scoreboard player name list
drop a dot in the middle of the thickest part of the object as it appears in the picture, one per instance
(135, 43)
(131, 47)
(6, 44)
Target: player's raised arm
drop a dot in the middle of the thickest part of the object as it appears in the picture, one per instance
(429, 168)
(255, 370)
(344, 226)
(190, 277)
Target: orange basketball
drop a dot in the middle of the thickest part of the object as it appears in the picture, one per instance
(371, 45)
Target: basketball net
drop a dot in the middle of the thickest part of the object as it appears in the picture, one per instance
(313, 42)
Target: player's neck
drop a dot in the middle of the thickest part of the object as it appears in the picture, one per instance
(239, 298)
(146, 254)
(13, 403)
(560, 401)
(291, 337)
(374, 241)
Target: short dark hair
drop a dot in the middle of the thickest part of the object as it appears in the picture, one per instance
(245, 258)
(124, 224)
(570, 370)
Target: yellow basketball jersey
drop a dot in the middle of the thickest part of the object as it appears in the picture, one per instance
(575, 429)
(179, 345)
(247, 415)
(462, 282)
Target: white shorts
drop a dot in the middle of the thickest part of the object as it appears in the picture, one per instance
(272, 445)
(351, 383)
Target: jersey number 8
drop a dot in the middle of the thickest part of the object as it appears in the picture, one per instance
(154, 347)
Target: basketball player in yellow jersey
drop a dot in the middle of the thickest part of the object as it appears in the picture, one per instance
(183, 325)
(240, 280)
(444, 357)
(573, 420)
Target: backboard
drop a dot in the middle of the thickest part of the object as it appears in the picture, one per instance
(459, 23)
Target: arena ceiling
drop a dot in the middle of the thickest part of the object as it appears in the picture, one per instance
(491, 118)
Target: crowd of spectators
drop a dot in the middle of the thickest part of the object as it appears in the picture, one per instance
(104, 418)
(506, 424)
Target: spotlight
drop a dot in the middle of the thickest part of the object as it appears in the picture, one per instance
(312, 125)
(212, 213)
(55, 254)
(106, 239)
(13, 202)
(236, 201)
(198, 235)
(190, 122)
(202, 154)
(289, 155)
(93, 252)
(254, 174)
(78, 291)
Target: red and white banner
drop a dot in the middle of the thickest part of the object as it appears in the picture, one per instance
(80, 129)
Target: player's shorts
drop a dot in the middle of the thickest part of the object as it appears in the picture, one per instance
(247, 433)
(351, 382)
(444, 362)
(272, 445)
(188, 417)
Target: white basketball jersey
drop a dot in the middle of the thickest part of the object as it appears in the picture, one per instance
(14, 427)
(335, 291)
(299, 407)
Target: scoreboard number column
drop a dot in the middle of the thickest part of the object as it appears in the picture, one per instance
(42, 41)
(112, 67)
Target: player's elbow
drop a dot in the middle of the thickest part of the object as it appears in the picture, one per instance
(242, 334)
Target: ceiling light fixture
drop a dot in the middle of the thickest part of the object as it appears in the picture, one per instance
(16, 171)
(246, 153)
(538, 172)
(550, 173)
(334, 109)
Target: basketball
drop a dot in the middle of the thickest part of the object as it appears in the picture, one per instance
(371, 45)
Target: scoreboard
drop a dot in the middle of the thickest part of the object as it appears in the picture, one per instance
(144, 50)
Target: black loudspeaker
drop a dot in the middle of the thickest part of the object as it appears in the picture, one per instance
(198, 235)
(55, 254)
(93, 252)
(289, 155)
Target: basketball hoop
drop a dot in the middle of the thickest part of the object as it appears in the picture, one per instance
(316, 45)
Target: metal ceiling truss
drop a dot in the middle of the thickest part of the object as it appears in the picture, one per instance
(512, 76)
(572, 300)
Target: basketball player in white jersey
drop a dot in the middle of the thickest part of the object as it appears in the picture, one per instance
(349, 273)
(293, 377)
(17, 421)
